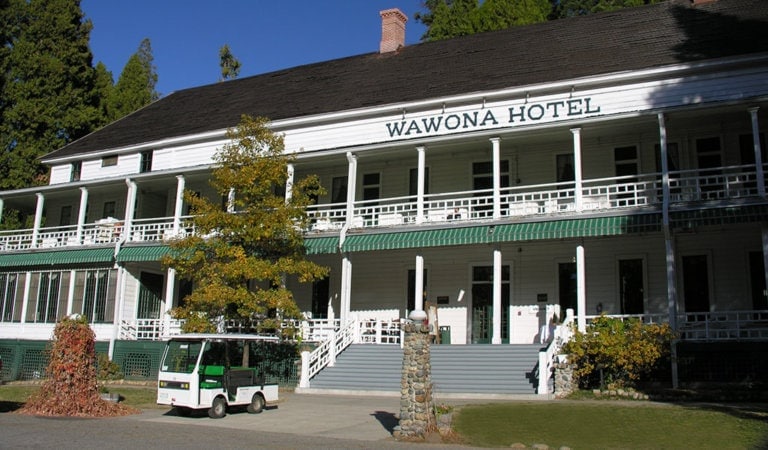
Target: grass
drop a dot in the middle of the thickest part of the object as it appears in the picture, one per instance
(614, 425)
(12, 396)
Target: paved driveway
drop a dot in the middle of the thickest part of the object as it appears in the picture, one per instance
(300, 421)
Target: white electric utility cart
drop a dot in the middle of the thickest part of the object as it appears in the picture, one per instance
(213, 372)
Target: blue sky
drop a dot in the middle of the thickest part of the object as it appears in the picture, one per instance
(265, 35)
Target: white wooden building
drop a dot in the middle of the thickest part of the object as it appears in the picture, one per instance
(612, 163)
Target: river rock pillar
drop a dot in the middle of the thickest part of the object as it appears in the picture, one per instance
(416, 406)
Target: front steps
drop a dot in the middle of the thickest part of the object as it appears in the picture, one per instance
(481, 371)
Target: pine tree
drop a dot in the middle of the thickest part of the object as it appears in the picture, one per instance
(48, 98)
(136, 86)
(230, 66)
(238, 260)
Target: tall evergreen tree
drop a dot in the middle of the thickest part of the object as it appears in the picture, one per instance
(451, 18)
(571, 8)
(230, 66)
(136, 86)
(49, 98)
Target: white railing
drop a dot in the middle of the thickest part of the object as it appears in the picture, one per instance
(149, 329)
(325, 354)
(380, 332)
(560, 336)
(160, 229)
(723, 326)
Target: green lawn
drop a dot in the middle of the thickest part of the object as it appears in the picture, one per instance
(613, 425)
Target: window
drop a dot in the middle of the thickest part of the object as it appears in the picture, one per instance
(77, 168)
(482, 174)
(747, 149)
(631, 286)
(413, 181)
(95, 295)
(371, 186)
(8, 301)
(566, 286)
(109, 161)
(625, 160)
(565, 171)
(673, 157)
(109, 209)
(339, 190)
(146, 162)
(320, 295)
(48, 309)
(66, 216)
(708, 153)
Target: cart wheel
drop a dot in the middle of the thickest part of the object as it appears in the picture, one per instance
(257, 404)
(183, 412)
(218, 408)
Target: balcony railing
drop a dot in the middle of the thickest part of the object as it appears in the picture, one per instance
(600, 194)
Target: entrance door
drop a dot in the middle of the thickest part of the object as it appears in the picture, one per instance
(696, 283)
(757, 281)
(566, 280)
(320, 294)
(482, 304)
(150, 295)
(631, 290)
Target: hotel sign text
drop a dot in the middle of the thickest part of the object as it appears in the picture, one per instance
(484, 118)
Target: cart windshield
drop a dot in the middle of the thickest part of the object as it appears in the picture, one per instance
(181, 356)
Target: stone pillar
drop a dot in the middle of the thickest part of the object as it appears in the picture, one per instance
(416, 407)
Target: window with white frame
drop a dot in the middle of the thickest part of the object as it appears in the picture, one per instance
(10, 298)
(95, 295)
(50, 301)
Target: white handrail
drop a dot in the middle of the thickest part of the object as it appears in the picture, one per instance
(560, 336)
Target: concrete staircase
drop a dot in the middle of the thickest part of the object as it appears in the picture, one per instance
(456, 369)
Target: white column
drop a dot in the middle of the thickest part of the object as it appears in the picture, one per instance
(346, 289)
(81, 213)
(25, 297)
(170, 284)
(289, 184)
(581, 290)
(351, 185)
(71, 291)
(38, 219)
(130, 208)
(668, 237)
(231, 200)
(420, 184)
(2, 205)
(577, 180)
(497, 283)
(758, 153)
(496, 151)
(118, 317)
(178, 206)
(418, 304)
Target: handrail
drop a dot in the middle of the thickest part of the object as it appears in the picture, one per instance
(560, 336)
(325, 354)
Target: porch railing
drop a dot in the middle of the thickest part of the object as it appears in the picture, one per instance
(561, 335)
(325, 354)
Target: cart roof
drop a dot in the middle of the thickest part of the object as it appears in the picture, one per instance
(221, 337)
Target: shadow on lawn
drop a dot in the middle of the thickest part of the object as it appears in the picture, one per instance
(10, 406)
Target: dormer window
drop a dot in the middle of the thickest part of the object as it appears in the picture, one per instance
(146, 162)
(77, 167)
(109, 161)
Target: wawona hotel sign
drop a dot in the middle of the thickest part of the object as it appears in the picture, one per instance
(524, 113)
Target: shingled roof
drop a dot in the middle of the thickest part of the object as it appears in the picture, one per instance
(624, 40)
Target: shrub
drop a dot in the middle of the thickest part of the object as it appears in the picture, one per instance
(617, 352)
(107, 369)
(71, 388)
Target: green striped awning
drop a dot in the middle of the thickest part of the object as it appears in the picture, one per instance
(509, 232)
(142, 253)
(718, 216)
(320, 245)
(57, 257)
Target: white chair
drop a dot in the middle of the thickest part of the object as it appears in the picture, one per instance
(390, 219)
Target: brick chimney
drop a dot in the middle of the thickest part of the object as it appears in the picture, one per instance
(392, 30)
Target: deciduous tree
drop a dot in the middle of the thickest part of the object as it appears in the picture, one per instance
(239, 258)
(570, 8)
